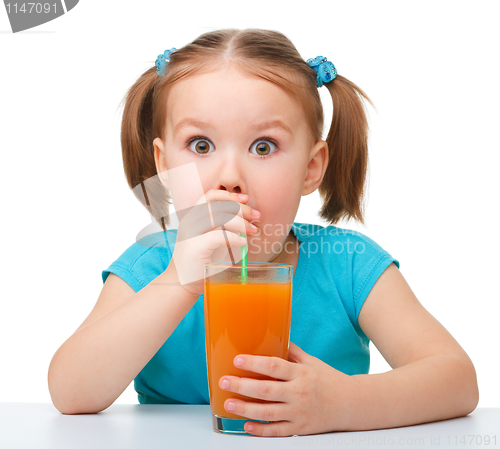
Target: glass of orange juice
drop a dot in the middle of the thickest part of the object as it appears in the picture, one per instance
(245, 313)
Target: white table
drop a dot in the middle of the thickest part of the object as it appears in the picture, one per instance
(123, 426)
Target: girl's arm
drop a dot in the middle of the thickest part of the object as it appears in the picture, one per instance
(432, 379)
(126, 329)
(123, 332)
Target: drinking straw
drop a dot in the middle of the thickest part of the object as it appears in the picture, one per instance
(244, 261)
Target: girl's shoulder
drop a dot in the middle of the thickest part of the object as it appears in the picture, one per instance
(144, 260)
(334, 240)
(343, 246)
(346, 258)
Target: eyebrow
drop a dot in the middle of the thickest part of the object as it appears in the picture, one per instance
(261, 126)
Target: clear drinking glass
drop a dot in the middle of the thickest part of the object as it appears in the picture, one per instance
(246, 312)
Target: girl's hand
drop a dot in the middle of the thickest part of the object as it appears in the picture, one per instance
(198, 243)
(311, 396)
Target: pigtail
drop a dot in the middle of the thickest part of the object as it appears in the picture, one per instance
(342, 188)
(137, 137)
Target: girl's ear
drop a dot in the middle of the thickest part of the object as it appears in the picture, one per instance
(161, 166)
(318, 161)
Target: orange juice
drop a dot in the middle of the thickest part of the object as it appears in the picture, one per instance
(251, 318)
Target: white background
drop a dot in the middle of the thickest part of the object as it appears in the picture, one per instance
(431, 68)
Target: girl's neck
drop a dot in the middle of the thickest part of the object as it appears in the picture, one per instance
(290, 252)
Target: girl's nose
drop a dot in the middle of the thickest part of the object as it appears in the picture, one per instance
(231, 176)
(235, 189)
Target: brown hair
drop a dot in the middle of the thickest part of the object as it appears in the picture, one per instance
(273, 57)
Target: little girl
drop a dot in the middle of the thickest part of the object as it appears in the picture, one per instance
(244, 108)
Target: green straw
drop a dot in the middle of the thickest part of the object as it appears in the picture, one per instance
(244, 261)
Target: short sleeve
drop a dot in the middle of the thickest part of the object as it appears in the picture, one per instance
(369, 261)
(144, 260)
(128, 276)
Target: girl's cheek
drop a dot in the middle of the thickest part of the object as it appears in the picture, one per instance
(185, 186)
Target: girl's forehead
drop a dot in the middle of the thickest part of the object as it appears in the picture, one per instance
(232, 93)
(225, 83)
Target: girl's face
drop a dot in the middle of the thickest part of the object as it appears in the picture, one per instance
(245, 135)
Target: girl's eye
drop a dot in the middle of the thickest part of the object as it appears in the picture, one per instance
(264, 147)
(201, 145)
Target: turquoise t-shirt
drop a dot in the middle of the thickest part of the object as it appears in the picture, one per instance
(336, 270)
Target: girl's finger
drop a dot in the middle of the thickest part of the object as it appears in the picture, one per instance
(214, 194)
(218, 238)
(255, 410)
(223, 196)
(269, 366)
(203, 218)
(234, 223)
(268, 390)
(232, 208)
(274, 429)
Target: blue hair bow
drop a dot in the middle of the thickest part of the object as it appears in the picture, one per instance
(162, 60)
(325, 69)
